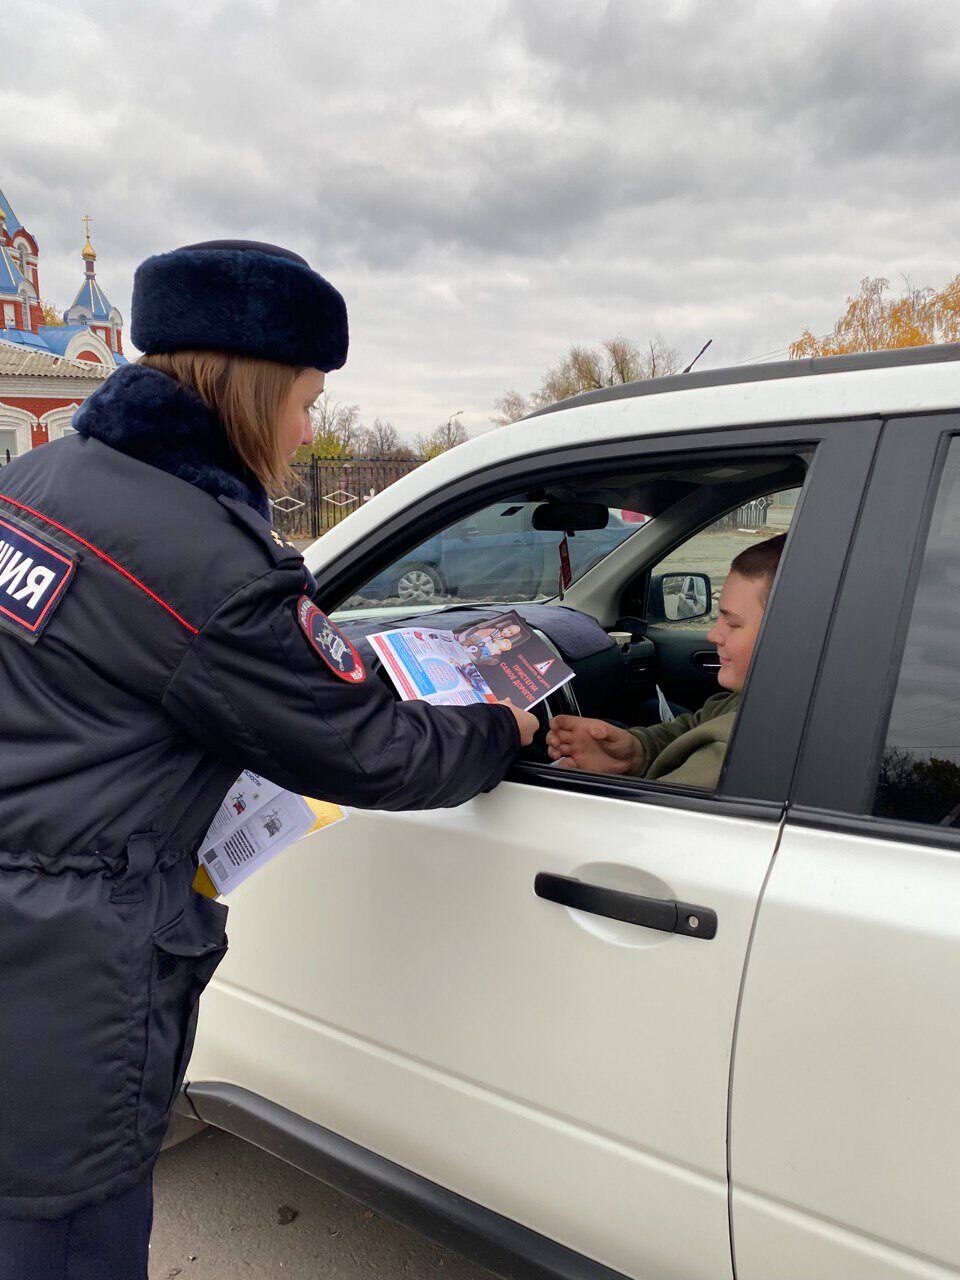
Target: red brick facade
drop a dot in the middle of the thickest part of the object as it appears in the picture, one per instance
(36, 370)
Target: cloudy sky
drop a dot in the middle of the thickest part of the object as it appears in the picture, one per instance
(489, 181)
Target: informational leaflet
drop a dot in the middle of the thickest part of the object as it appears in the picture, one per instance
(489, 661)
(256, 821)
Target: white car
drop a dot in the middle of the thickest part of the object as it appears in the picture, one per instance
(762, 1081)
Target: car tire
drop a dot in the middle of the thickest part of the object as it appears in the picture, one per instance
(418, 584)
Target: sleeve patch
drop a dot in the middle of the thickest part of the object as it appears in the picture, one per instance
(330, 642)
(34, 576)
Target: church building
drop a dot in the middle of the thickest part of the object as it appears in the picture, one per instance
(47, 370)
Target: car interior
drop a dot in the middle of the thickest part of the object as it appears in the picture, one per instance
(654, 594)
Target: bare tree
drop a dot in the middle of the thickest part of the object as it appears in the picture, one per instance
(511, 407)
(335, 429)
(615, 361)
(447, 436)
(382, 440)
(658, 361)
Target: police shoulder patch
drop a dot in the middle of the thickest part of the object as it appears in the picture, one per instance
(34, 574)
(330, 642)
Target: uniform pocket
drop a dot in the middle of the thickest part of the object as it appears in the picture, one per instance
(186, 951)
(69, 970)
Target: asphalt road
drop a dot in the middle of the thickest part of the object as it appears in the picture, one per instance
(227, 1211)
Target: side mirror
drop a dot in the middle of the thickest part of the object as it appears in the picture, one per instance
(678, 597)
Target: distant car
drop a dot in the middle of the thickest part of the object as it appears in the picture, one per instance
(597, 1026)
(496, 553)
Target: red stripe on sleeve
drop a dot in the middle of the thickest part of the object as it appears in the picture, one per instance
(105, 558)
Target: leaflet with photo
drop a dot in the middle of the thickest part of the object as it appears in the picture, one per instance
(256, 821)
(489, 661)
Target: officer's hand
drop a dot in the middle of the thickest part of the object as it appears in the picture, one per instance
(594, 745)
(527, 724)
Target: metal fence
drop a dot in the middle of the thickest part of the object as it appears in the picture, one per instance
(752, 515)
(321, 493)
(774, 512)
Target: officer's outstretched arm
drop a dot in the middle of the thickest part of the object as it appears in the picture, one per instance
(268, 682)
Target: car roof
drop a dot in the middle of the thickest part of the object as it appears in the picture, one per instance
(867, 384)
(902, 357)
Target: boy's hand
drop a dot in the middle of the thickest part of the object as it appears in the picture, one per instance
(594, 745)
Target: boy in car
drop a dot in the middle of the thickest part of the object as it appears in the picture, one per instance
(690, 749)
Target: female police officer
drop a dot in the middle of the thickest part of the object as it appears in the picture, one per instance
(156, 636)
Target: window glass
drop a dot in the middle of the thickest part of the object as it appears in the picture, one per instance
(710, 552)
(8, 446)
(919, 776)
(649, 690)
(493, 555)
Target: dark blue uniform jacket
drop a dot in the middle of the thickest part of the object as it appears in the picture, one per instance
(151, 649)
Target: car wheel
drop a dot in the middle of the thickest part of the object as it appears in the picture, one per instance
(420, 584)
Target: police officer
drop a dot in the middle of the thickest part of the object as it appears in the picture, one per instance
(157, 635)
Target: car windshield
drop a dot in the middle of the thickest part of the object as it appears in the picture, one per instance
(494, 556)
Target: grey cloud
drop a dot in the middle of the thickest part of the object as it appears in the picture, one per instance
(872, 76)
(489, 183)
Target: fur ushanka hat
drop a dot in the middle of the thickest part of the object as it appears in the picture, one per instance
(239, 296)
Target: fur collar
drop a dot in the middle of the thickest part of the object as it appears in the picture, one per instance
(149, 416)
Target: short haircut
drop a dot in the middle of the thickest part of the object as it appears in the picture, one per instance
(760, 561)
(246, 395)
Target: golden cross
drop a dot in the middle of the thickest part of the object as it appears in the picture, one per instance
(86, 222)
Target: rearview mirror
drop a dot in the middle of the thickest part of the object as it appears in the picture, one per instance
(679, 597)
(570, 517)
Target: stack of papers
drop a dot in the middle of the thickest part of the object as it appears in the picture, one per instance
(256, 821)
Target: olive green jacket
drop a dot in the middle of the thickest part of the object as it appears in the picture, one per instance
(690, 749)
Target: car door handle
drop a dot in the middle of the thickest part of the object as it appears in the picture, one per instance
(665, 914)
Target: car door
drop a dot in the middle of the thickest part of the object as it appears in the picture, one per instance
(845, 1120)
(562, 1068)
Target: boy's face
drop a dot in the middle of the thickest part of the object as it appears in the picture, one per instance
(742, 602)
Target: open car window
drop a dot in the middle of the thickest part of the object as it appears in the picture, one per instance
(651, 571)
(493, 555)
(710, 553)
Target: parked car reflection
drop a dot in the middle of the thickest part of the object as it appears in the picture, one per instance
(495, 555)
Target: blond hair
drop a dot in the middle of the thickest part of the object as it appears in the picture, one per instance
(246, 395)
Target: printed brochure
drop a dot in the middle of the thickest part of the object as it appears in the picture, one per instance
(256, 821)
(488, 661)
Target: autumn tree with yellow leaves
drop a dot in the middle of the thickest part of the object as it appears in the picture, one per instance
(874, 320)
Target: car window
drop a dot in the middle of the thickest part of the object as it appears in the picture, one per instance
(919, 773)
(493, 555)
(652, 685)
(500, 518)
(710, 552)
